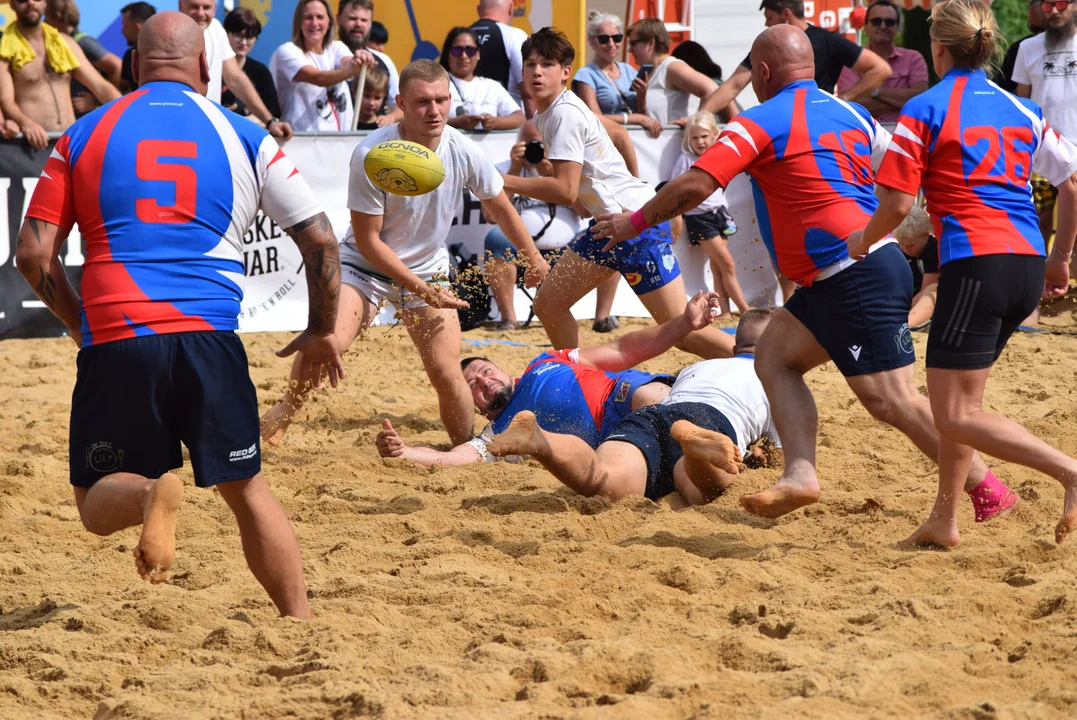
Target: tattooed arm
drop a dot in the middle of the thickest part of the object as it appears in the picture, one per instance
(675, 198)
(37, 255)
(318, 344)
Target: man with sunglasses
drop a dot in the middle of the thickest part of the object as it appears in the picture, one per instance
(1046, 71)
(908, 71)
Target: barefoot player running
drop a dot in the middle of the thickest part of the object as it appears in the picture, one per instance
(162, 184)
(586, 166)
(972, 146)
(809, 156)
(395, 250)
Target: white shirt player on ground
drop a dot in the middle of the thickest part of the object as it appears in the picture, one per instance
(395, 250)
(584, 164)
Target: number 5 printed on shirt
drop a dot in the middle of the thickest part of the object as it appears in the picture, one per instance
(148, 166)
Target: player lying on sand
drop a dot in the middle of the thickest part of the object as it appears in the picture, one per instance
(395, 250)
(586, 167)
(812, 192)
(585, 392)
(689, 443)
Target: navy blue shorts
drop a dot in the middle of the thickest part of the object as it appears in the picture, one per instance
(861, 315)
(649, 429)
(136, 400)
(647, 262)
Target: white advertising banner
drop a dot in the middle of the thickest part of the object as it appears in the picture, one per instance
(275, 294)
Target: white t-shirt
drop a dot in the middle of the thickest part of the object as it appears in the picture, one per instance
(415, 227)
(480, 96)
(394, 78)
(731, 387)
(560, 230)
(514, 38)
(218, 50)
(665, 104)
(305, 106)
(684, 164)
(1052, 75)
(570, 131)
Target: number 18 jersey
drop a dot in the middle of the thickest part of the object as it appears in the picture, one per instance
(972, 147)
(163, 184)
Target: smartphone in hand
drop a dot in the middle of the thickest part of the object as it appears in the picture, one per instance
(645, 71)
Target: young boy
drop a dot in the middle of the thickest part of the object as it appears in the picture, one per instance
(377, 85)
(585, 165)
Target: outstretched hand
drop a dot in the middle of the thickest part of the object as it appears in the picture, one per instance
(442, 298)
(536, 272)
(388, 441)
(318, 352)
(702, 309)
(617, 228)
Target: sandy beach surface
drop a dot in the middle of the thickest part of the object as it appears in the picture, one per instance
(491, 591)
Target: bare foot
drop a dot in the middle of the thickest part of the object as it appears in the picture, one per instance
(1069, 513)
(935, 532)
(157, 545)
(523, 437)
(781, 498)
(710, 458)
(276, 421)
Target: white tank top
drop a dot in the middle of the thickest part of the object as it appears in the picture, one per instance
(664, 103)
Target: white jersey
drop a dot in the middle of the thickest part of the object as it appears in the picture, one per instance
(415, 228)
(684, 164)
(570, 131)
(218, 49)
(731, 387)
(305, 106)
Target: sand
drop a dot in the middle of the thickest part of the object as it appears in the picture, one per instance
(493, 592)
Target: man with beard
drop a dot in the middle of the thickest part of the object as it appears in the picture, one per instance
(1004, 78)
(1046, 71)
(584, 392)
(37, 62)
(354, 19)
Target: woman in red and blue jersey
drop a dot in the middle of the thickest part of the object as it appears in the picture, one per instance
(972, 147)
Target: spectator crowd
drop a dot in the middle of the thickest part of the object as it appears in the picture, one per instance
(334, 76)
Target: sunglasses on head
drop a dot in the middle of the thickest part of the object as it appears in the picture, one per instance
(459, 50)
(603, 39)
(879, 22)
(1059, 5)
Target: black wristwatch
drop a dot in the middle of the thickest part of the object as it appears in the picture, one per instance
(270, 121)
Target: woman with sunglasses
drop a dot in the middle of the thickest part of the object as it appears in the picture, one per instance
(908, 71)
(478, 103)
(604, 83)
(312, 71)
(243, 28)
(971, 147)
(664, 93)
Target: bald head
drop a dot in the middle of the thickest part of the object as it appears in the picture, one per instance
(171, 47)
(499, 10)
(780, 55)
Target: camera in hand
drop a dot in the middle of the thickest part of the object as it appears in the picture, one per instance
(534, 152)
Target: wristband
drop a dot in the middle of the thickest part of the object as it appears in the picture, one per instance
(639, 223)
(625, 118)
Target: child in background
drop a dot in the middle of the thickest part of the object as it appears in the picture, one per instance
(377, 85)
(711, 224)
(919, 245)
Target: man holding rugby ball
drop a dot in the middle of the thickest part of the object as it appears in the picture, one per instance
(395, 250)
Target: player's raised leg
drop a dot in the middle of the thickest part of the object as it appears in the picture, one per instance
(354, 315)
(569, 280)
(436, 334)
(269, 543)
(785, 353)
(668, 302)
(709, 465)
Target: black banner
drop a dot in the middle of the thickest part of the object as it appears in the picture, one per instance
(22, 315)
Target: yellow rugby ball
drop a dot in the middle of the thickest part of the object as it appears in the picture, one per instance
(404, 168)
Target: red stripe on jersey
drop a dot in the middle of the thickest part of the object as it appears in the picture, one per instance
(103, 278)
(278, 156)
(595, 385)
(53, 200)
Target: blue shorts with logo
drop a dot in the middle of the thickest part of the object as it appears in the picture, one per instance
(619, 404)
(861, 315)
(647, 262)
(136, 400)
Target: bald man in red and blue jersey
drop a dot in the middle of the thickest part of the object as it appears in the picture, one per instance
(810, 158)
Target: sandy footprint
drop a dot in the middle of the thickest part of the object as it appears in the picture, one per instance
(157, 545)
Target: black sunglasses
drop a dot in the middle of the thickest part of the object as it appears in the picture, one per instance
(603, 39)
(459, 50)
(879, 22)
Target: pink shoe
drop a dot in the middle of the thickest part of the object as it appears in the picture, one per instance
(992, 498)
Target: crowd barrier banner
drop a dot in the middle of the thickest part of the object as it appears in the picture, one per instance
(275, 292)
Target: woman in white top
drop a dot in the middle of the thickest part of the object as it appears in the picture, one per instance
(478, 103)
(664, 93)
(312, 71)
(604, 83)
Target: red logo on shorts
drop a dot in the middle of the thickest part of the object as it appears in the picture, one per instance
(633, 278)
